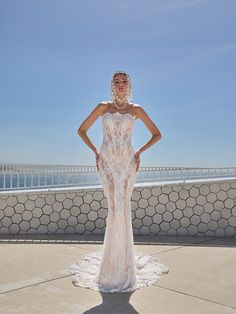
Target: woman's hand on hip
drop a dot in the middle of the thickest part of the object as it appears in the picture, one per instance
(97, 155)
(137, 159)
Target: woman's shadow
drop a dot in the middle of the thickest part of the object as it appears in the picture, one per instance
(113, 303)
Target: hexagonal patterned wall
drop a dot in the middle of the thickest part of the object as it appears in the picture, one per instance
(174, 209)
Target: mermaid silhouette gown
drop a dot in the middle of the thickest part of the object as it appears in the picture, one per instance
(117, 267)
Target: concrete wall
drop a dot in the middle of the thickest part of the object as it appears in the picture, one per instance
(206, 208)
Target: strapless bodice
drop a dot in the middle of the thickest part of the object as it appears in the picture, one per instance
(117, 131)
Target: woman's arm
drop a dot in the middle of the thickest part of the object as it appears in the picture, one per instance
(88, 122)
(156, 134)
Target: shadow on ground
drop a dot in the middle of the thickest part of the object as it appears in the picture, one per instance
(113, 303)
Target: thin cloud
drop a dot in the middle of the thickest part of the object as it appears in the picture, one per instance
(210, 53)
(216, 51)
(173, 5)
(181, 4)
(137, 10)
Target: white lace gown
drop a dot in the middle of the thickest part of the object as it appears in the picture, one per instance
(117, 267)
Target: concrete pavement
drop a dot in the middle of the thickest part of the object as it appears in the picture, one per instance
(33, 276)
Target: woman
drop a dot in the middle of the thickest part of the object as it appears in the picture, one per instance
(118, 268)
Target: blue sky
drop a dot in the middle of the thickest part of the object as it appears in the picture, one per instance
(57, 58)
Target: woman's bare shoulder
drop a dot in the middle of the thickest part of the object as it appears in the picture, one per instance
(135, 105)
(103, 105)
(136, 108)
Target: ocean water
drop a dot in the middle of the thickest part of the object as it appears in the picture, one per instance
(36, 180)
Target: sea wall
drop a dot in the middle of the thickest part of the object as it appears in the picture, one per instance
(201, 208)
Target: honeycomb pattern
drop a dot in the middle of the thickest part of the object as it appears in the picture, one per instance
(207, 209)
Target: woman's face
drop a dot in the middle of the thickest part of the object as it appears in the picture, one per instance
(121, 84)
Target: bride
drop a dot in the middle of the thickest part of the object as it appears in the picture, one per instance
(117, 267)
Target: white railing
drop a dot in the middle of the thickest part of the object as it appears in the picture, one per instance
(22, 176)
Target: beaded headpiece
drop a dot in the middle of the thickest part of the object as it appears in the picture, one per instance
(129, 91)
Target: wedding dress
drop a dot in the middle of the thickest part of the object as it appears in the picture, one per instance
(117, 267)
